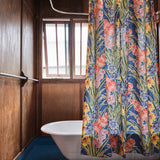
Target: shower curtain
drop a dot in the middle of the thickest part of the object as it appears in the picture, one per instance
(121, 112)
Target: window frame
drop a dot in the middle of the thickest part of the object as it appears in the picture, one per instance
(71, 49)
(44, 42)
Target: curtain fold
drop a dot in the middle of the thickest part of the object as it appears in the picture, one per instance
(121, 112)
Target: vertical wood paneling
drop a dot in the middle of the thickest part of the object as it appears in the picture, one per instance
(27, 42)
(9, 118)
(10, 36)
(10, 13)
(156, 5)
(10, 89)
(31, 4)
(28, 91)
(158, 25)
(82, 99)
(28, 113)
(85, 5)
(60, 102)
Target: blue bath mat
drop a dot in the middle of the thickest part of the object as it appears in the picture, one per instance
(42, 148)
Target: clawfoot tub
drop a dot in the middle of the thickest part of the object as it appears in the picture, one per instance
(67, 136)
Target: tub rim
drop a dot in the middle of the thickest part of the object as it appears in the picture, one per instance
(60, 133)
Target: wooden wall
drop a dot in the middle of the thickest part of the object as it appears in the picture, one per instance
(28, 91)
(158, 26)
(59, 99)
(60, 102)
(64, 5)
(17, 104)
(10, 21)
(156, 5)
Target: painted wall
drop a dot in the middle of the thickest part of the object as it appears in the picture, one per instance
(17, 104)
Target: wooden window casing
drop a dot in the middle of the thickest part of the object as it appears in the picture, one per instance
(58, 75)
(70, 62)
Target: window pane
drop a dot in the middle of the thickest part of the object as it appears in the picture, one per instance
(43, 60)
(61, 48)
(77, 48)
(51, 48)
(55, 49)
(67, 47)
(84, 46)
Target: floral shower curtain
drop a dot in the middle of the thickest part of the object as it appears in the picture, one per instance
(121, 104)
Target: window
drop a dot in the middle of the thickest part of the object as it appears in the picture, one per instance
(81, 32)
(56, 49)
(64, 48)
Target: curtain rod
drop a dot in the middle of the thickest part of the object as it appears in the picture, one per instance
(74, 13)
(69, 13)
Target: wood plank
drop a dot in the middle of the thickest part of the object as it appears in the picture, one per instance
(31, 4)
(10, 18)
(28, 113)
(27, 43)
(60, 102)
(82, 98)
(9, 118)
(85, 6)
(158, 38)
(28, 116)
(156, 5)
(10, 37)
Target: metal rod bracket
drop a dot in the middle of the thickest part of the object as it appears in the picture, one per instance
(23, 81)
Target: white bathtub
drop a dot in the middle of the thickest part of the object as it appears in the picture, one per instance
(67, 135)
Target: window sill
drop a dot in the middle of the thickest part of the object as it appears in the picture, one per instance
(62, 80)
